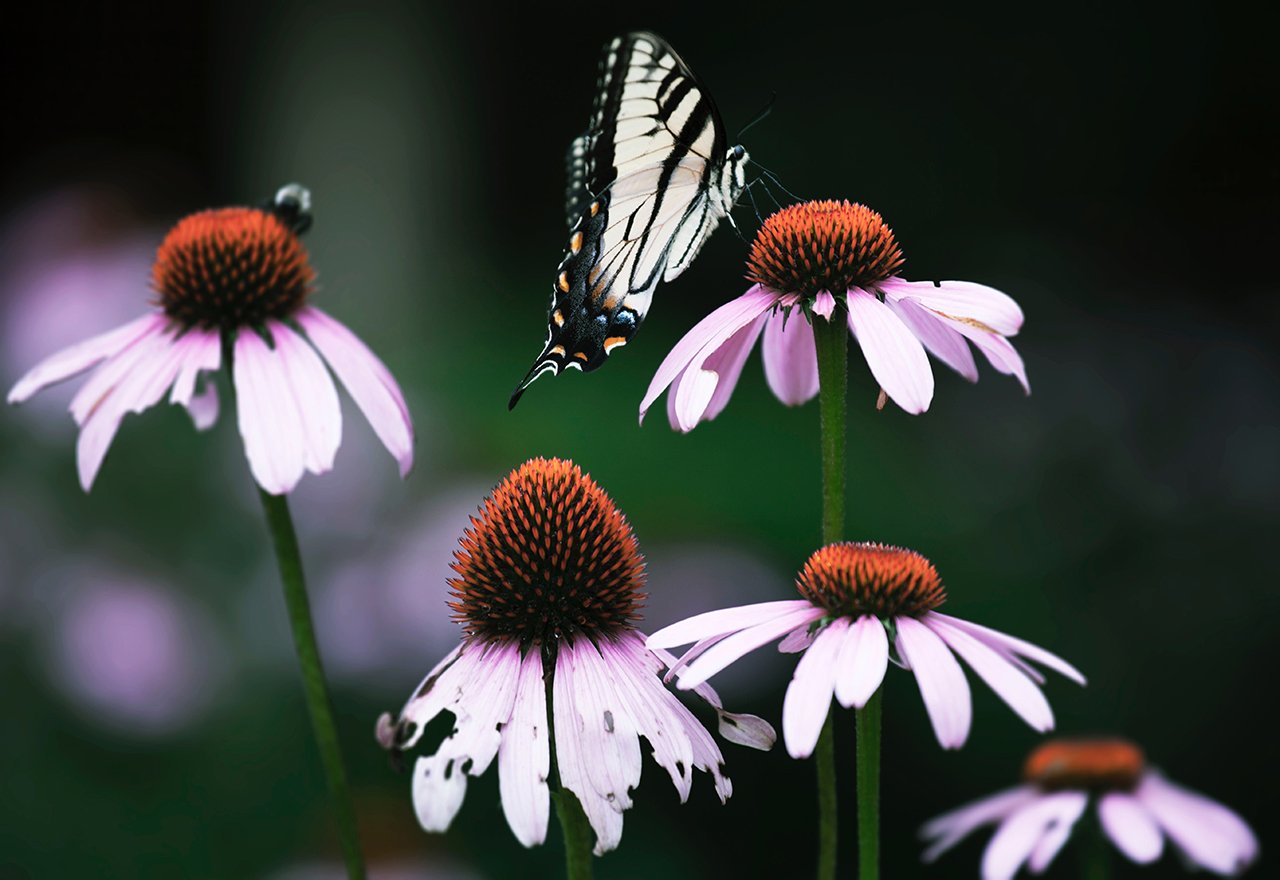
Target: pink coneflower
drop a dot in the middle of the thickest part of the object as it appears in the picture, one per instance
(237, 278)
(835, 260)
(551, 676)
(857, 595)
(1137, 808)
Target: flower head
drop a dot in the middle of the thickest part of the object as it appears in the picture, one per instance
(835, 260)
(549, 579)
(856, 597)
(233, 280)
(1137, 808)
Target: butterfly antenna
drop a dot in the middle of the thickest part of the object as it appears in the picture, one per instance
(755, 207)
(778, 182)
(759, 117)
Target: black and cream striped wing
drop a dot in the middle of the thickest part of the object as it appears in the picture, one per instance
(648, 182)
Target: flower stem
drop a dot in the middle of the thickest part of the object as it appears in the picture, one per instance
(280, 524)
(577, 835)
(573, 821)
(832, 341)
(868, 776)
(1095, 855)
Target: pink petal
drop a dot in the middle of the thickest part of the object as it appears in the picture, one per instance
(267, 415)
(863, 660)
(944, 343)
(1004, 678)
(999, 352)
(790, 358)
(1208, 833)
(796, 641)
(143, 372)
(896, 358)
(808, 699)
(314, 394)
(744, 730)
(524, 757)
(1048, 848)
(722, 620)
(202, 352)
(942, 683)
(947, 830)
(963, 301)
(1130, 827)
(703, 390)
(367, 380)
(824, 304)
(723, 653)
(1007, 644)
(706, 336)
(203, 407)
(438, 791)
(1022, 831)
(77, 358)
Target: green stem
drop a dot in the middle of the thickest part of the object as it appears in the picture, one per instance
(1095, 854)
(832, 340)
(577, 835)
(280, 524)
(868, 776)
(573, 821)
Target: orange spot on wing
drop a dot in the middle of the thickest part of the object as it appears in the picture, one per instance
(563, 282)
(580, 355)
(613, 342)
(595, 208)
(558, 318)
(575, 243)
(557, 350)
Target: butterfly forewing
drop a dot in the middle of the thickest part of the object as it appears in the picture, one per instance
(648, 182)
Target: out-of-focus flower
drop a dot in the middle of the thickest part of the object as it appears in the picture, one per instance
(857, 595)
(548, 583)
(134, 657)
(235, 280)
(833, 260)
(1136, 805)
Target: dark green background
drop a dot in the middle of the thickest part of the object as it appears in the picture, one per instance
(1114, 170)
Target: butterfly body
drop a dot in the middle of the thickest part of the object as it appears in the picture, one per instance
(649, 182)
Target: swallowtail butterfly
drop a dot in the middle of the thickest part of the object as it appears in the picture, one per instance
(648, 183)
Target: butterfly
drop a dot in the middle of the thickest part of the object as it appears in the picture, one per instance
(649, 181)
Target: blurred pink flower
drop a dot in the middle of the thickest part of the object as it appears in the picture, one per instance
(1137, 809)
(134, 657)
(814, 260)
(237, 278)
(548, 580)
(852, 594)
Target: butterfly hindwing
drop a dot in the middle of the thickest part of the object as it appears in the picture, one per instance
(649, 181)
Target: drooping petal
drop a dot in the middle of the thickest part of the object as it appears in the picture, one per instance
(998, 351)
(824, 304)
(808, 698)
(945, 831)
(944, 343)
(701, 392)
(962, 301)
(725, 652)
(1003, 677)
(315, 396)
(942, 683)
(1011, 645)
(1207, 832)
(203, 407)
(740, 728)
(707, 336)
(202, 354)
(722, 620)
(143, 371)
(367, 380)
(524, 756)
(1055, 838)
(896, 358)
(70, 361)
(1023, 830)
(790, 358)
(1130, 827)
(267, 414)
(862, 662)
(796, 641)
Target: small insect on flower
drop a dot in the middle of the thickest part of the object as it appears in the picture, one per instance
(857, 595)
(835, 260)
(234, 281)
(1137, 808)
(551, 677)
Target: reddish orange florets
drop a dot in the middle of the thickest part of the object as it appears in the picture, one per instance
(1085, 764)
(231, 267)
(549, 556)
(864, 578)
(828, 245)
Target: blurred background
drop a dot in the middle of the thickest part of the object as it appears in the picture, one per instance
(1116, 173)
